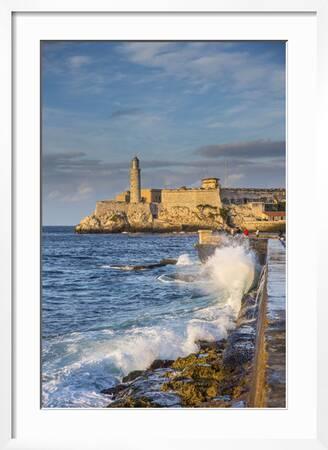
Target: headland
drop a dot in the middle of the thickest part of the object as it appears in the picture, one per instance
(209, 206)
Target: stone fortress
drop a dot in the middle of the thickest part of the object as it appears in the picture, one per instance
(186, 209)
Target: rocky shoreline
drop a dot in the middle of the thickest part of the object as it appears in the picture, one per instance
(177, 219)
(219, 374)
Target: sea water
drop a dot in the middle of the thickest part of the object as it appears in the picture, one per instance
(101, 319)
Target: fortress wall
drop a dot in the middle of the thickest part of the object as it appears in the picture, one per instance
(123, 197)
(142, 208)
(109, 206)
(140, 215)
(190, 197)
(151, 195)
(239, 194)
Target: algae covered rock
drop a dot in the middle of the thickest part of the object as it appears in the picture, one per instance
(201, 371)
(182, 363)
(196, 378)
(189, 392)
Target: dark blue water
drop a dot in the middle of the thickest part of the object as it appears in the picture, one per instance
(99, 322)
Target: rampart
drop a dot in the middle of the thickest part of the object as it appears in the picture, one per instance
(151, 195)
(183, 209)
(190, 197)
(110, 206)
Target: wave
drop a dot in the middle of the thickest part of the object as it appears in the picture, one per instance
(231, 270)
(77, 366)
(184, 260)
(117, 267)
(177, 278)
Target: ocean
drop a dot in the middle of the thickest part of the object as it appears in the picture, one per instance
(101, 319)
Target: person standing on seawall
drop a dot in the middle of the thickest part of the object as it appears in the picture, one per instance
(246, 232)
(257, 233)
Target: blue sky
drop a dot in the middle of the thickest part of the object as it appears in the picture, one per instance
(187, 109)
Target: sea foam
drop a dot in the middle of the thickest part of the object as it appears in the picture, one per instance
(90, 362)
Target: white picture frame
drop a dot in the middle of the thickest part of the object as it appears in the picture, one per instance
(22, 424)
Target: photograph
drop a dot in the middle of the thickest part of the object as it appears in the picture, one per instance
(163, 224)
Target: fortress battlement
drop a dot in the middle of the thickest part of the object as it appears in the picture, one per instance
(208, 206)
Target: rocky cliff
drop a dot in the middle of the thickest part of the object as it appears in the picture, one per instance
(140, 217)
(239, 215)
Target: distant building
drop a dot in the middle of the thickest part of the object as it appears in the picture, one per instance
(207, 194)
(210, 183)
(239, 196)
(275, 215)
(208, 206)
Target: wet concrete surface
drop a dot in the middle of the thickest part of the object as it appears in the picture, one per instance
(275, 330)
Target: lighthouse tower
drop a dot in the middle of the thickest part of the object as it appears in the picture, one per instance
(135, 187)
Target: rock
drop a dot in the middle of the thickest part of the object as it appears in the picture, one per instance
(132, 402)
(107, 223)
(190, 394)
(239, 215)
(114, 390)
(215, 345)
(115, 217)
(241, 354)
(182, 363)
(133, 375)
(191, 218)
(223, 398)
(88, 223)
(238, 404)
(168, 261)
(160, 364)
(164, 399)
(200, 371)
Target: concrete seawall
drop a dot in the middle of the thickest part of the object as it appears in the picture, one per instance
(269, 374)
(258, 344)
(275, 330)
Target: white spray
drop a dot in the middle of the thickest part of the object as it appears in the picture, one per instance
(226, 276)
(231, 272)
(184, 260)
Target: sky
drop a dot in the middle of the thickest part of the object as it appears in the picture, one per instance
(188, 110)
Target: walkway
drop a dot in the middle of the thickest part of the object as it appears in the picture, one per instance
(275, 332)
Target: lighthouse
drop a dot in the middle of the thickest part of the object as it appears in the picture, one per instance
(135, 185)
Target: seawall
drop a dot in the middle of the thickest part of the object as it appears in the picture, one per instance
(268, 387)
(257, 347)
(246, 370)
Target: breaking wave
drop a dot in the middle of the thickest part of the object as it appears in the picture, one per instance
(184, 260)
(205, 309)
(116, 267)
(231, 271)
(178, 278)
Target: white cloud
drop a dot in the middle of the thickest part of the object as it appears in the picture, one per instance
(204, 64)
(77, 61)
